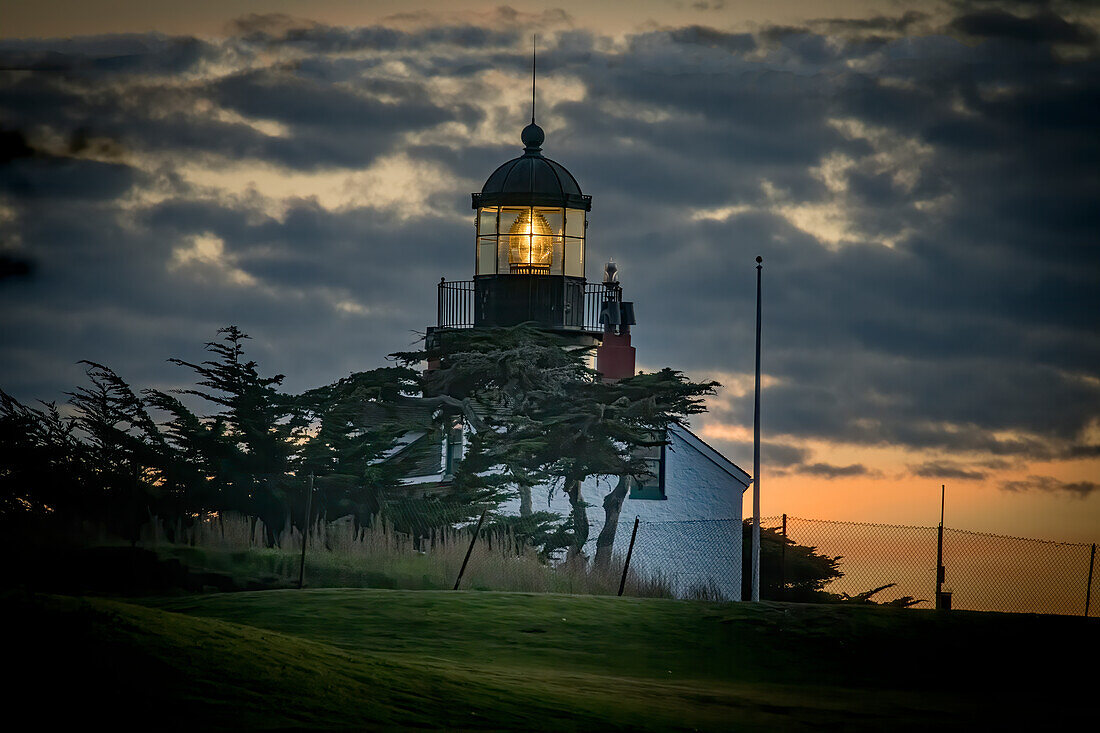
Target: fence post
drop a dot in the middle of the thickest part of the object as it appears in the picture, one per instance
(783, 561)
(305, 534)
(629, 552)
(1088, 588)
(469, 549)
(941, 602)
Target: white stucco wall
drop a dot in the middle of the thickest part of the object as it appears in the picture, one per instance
(692, 537)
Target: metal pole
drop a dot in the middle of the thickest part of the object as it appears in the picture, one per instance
(305, 533)
(756, 452)
(1088, 588)
(469, 549)
(940, 570)
(629, 552)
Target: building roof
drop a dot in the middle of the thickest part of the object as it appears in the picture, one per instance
(532, 180)
(714, 456)
(420, 450)
(425, 455)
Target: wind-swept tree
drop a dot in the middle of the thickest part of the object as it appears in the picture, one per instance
(255, 454)
(547, 419)
(248, 444)
(110, 461)
(106, 461)
(345, 449)
(42, 461)
(127, 457)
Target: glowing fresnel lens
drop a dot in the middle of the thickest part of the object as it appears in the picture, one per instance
(530, 246)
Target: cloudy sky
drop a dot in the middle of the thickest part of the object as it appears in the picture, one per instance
(921, 180)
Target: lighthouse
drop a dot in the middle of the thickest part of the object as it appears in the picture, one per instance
(531, 227)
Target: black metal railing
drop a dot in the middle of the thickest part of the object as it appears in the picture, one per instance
(455, 306)
(594, 295)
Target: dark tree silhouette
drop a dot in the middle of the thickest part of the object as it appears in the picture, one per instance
(788, 571)
(343, 450)
(110, 462)
(125, 454)
(248, 443)
(42, 462)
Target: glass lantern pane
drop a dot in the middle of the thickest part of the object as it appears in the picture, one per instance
(554, 219)
(508, 221)
(574, 222)
(557, 266)
(502, 255)
(487, 220)
(487, 256)
(508, 218)
(574, 257)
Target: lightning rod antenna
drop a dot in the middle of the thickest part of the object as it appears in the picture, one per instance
(534, 39)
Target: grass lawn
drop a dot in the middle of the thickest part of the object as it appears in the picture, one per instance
(383, 659)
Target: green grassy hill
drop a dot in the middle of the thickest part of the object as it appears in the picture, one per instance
(383, 659)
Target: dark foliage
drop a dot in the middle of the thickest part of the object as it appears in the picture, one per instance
(799, 573)
(108, 462)
(788, 571)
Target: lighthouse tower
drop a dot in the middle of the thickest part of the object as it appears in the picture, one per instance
(529, 263)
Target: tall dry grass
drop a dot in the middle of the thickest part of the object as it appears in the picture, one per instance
(340, 554)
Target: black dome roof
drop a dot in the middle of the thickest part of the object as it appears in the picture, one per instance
(532, 180)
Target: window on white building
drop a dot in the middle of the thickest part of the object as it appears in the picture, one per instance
(653, 485)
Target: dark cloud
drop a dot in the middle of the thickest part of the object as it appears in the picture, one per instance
(772, 454)
(702, 35)
(1082, 451)
(13, 144)
(1044, 27)
(99, 57)
(266, 23)
(829, 471)
(925, 208)
(895, 24)
(14, 267)
(321, 39)
(1050, 484)
(946, 469)
(66, 179)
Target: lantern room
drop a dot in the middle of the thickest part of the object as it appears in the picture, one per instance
(531, 216)
(530, 241)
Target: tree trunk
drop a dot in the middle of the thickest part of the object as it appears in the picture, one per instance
(525, 501)
(612, 505)
(579, 518)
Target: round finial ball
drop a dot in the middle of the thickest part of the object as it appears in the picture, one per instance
(532, 136)
(759, 258)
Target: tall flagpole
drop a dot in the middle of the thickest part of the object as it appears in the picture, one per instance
(756, 451)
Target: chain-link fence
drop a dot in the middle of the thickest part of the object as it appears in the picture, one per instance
(686, 559)
(982, 572)
(709, 559)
